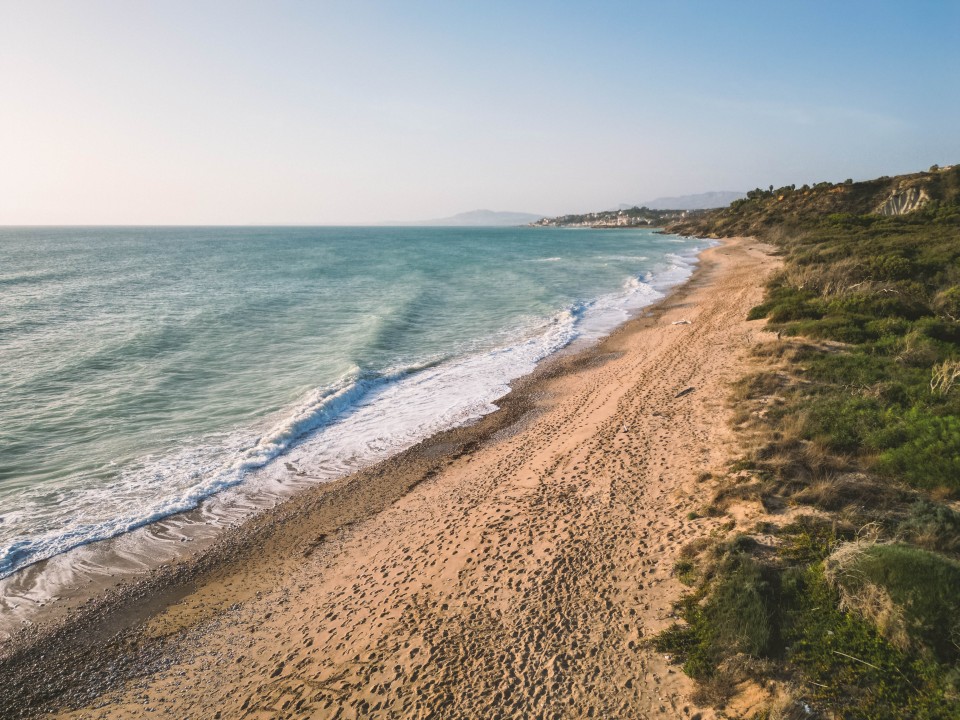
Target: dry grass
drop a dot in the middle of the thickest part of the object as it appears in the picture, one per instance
(943, 376)
(842, 276)
(786, 705)
(859, 595)
(727, 496)
(827, 493)
(835, 491)
(917, 349)
(696, 546)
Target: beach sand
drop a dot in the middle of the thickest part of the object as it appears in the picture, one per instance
(516, 568)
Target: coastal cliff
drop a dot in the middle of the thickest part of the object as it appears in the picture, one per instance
(791, 206)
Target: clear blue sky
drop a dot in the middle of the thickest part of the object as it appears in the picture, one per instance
(352, 112)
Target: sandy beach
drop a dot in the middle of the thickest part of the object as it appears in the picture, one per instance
(514, 568)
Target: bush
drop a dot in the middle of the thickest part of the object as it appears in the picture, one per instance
(786, 303)
(841, 328)
(889, 267)
(740, 609)
(922, 587)
(924, 449)
(933, 526)
(843, 423)
(686, 571)
(736, 617)
(947, 303)
(859, 369)
(853, 670)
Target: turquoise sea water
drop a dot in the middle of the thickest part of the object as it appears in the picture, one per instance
(143, 370)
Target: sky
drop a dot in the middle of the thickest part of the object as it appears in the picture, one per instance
(203, 112)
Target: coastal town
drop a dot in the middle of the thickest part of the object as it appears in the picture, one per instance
(623, 218)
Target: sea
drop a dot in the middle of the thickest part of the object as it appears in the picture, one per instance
(147, 371)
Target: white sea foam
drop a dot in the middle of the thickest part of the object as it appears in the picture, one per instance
(354, 421)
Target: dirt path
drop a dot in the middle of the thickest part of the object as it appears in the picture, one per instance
(520, 581)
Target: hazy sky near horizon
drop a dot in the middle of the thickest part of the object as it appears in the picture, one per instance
(204, 112)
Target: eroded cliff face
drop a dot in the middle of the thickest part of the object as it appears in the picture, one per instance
(792, 206)
(903, 201)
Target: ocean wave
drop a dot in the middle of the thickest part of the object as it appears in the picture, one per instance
(622, 258)
(209, 467)
(359, 404)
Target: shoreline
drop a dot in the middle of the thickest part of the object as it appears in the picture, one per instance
(48, 591)
(135, 619)
(329, 408)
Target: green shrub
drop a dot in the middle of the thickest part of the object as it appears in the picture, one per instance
(888, 327)
(852, 669)
(785, 303)
(933, 526)
(841, 328)
(738, 616)
(740, 609)
(876, 305)
(922, 449)
(847, 368)
(842, 423)
(924, 588)
(889, 267)
(686, 571)
(945, 331)
(917, 349)
(807, 540)
(947, 303)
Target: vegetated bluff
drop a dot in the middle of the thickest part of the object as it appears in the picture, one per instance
(792, 206)
(840, 596)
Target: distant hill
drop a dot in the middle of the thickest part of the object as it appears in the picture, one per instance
(481, 218)
(700, 201)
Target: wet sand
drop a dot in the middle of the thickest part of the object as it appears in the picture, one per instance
(514, 568)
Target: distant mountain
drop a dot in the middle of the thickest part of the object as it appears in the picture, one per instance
(701, 201)
(481, 218)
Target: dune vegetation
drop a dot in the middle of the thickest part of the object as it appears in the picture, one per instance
(846, 596)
